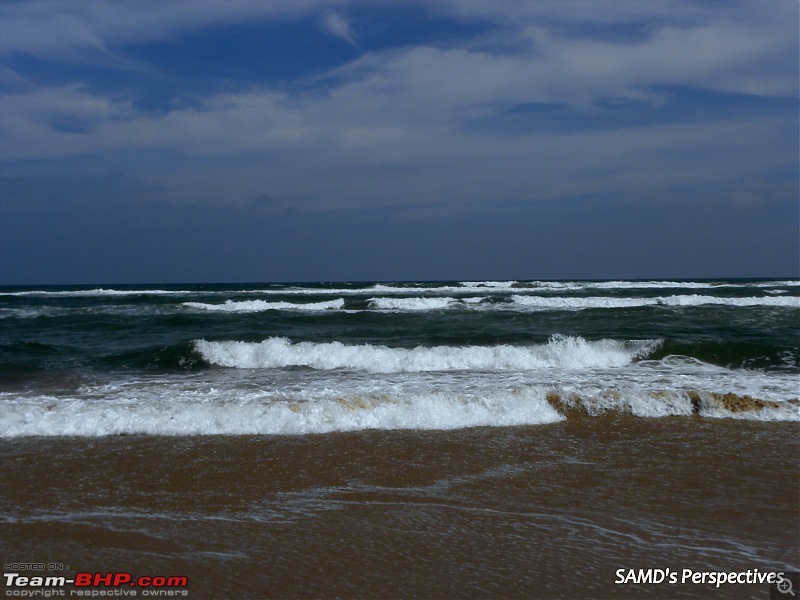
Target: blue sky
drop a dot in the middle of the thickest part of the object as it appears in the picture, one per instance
(210, 141)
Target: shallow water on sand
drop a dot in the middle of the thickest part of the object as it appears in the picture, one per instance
(537, 511)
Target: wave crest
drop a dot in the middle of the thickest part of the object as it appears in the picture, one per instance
(262, 305)
(567, 302)
(410, 304)
(193, 410)
(565, 352)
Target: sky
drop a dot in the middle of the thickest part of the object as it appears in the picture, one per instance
(180, 141)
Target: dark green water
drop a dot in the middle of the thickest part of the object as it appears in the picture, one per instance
(287, 358)
(435, 440)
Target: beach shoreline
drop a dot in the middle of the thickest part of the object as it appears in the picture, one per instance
(535, 511)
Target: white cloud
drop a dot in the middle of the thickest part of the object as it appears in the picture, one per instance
(566, 14)
(393, 127)
(339, 26)
(354, 148)
(739, 47)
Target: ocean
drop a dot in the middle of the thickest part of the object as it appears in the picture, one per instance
(493, 439)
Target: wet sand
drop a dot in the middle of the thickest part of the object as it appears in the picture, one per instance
(541, 511)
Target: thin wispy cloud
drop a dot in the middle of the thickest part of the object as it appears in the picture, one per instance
(340, 27)
(48, 28)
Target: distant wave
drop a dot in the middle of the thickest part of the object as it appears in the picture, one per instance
(502, 285)
(416, 288)
(566, 302)
(405, 304)
(509, 287)
(261, 305)
(640, 285)
(517, 301)
(98, 292)
(560, 352)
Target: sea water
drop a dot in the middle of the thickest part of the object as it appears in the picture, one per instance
(468, 439)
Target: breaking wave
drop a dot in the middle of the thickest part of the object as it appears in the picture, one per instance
(408, 288)
(262, 305)
(563, 352)
(663, 403)
(410, 304)
(99, 292)
(191, 410)
(257, 414)
(558, 302)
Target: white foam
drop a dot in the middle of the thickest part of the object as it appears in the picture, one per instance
(423, 288)
(577, 303)
(664, 403)
(697, 300)
(258, 413)
(488, 284)
(359, 291)
(666, 284)
(567, 303)
(500, 287)
(560, 352)
(262, 305)
(297, 407)
(787, 283)
(412, 304)
(646, 285)
(637, 403)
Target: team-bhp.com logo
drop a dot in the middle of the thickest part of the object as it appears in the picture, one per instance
(94, 584)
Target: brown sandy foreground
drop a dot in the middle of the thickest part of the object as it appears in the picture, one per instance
(547, 511)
